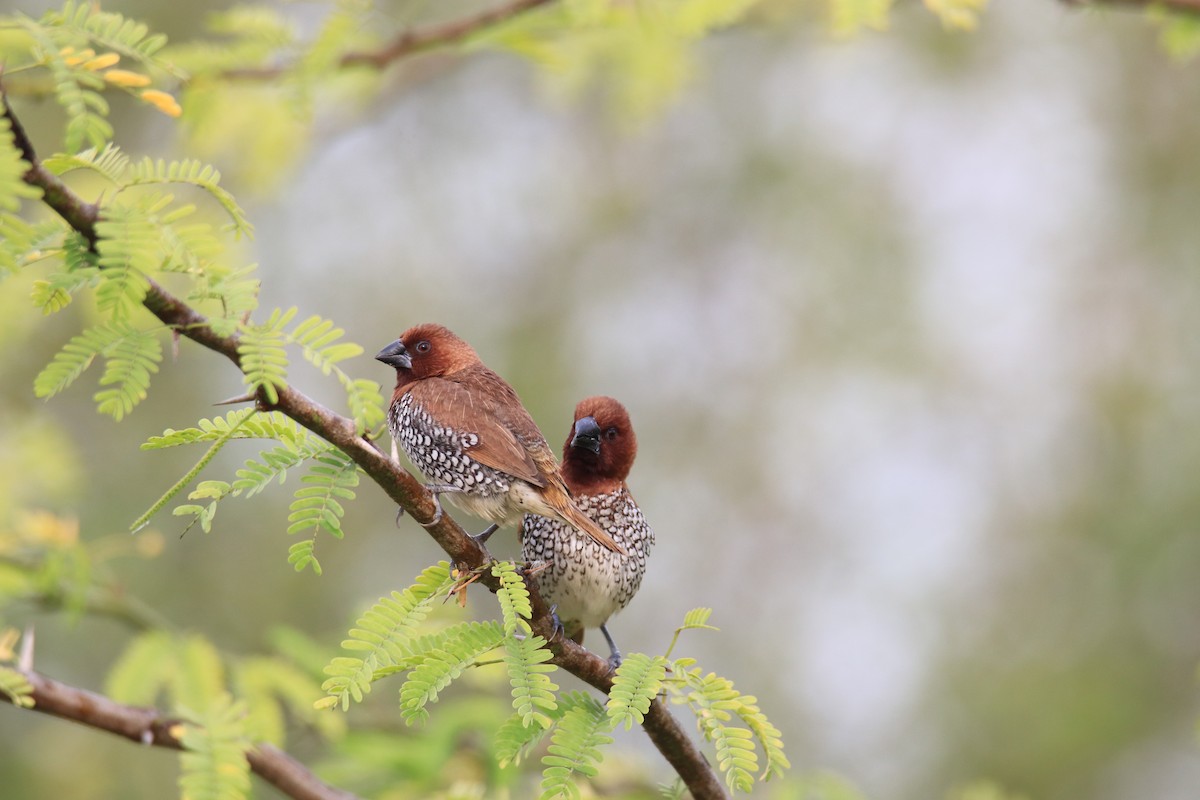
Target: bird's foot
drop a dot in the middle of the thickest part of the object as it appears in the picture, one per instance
(436, 489)
(559, 630)
(614, 660)
(481, 537)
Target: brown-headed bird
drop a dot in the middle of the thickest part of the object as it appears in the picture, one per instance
(584, 583)
(465, 428)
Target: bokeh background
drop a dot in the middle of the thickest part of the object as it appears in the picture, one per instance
(906, 324)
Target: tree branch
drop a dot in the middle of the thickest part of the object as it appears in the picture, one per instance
(1188, 7)
(400, 485)
(148, 726)
(408, 42)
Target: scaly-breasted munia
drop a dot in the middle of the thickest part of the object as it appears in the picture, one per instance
(465, 428)
(584, 583)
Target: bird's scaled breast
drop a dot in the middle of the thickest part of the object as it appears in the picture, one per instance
(441, 453)
(587, 582)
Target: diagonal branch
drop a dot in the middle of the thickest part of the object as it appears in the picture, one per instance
(148, 726)
(410, 41)
(1187, 7)
(400, 485)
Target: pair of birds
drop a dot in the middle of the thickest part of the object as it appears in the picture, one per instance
(465, 428)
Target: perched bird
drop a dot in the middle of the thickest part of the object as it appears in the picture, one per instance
(584, 583)
(465, 428)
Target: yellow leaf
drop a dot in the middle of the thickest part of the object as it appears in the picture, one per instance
(101, 62)
(957, 15)
(123, 77)
(74, 59)
(163, 102)
(42, 526)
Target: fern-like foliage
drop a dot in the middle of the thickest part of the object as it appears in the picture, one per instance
(459, 648)
(194, 173)
(235, 421)
(187, 670)
(213, 764)
(514, 739)
(235, 425)
(318, 341)
(638, 681)
(129, 252)
(264, 359)
(675, 790)
(532, 689)
(273, 688)
(112, 32)
(769, 737)
(144, 669)
(77, 90)
(513, 597)
(713, 699)
(317, 504)
(76, 356)
(380, 637)
(574, 746)
(108, 162)
(131, 355)
(130, 363)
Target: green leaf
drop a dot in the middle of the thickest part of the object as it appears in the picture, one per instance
(16, 688)
(366, 403)
(130, 363)
(76, 356)
(108, 161)
(513, 597)
(532, 689)
(111, 31)
(145, 668)
(460, 646)
(638, 681)
(235, 421)
(696, 618)
(300, 556)
(213, 763)
(849, 17)
(514, 740)
(382, 634)
(199, 680)
(194, 173)
(316, 505)
(272, 687)
(264, 361)
(238, 425)
(129, 251)
(574, 748)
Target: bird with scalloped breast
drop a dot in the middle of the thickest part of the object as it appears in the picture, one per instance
(584, 583)
(465, 428)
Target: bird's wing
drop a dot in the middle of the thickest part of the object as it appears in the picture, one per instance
(486, 414)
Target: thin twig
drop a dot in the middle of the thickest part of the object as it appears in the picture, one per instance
(408, 42)
(663, 729)
(148, 726)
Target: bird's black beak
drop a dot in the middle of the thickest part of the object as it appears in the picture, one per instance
(395, 355)
(587, 435)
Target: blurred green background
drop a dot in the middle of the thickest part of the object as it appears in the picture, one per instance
(907, 326)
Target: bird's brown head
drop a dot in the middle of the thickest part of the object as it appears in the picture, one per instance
(600, 448)
(428, 350)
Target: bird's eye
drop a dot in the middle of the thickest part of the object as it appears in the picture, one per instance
(610, 434)
(423, 347)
